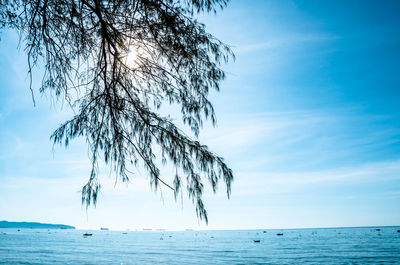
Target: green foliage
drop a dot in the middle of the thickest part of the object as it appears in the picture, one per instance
(116, 63)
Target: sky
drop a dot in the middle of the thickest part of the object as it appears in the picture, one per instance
(308, 119)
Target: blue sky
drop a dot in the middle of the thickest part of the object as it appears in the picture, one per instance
(308, 119)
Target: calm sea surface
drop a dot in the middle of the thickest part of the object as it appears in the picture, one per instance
(295, 246)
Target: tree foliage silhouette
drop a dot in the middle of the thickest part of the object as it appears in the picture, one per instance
(116, 63)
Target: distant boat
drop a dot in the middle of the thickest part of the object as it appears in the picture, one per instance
(87, 234)
(279, 234)
(377, 229)
(256, 240)
(104, 228)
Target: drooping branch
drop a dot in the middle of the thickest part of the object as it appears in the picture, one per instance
(86, 47)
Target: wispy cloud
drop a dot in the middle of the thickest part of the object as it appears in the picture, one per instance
(319, 127)
(288, 181)
(13, 146)
(249, 129)
(286, 41)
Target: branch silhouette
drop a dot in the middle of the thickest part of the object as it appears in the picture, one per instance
(85, 44)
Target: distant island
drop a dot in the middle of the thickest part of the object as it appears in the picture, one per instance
(5, 224)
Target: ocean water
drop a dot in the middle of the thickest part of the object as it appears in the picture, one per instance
(295, 246)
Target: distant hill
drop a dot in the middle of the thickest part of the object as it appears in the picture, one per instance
(5, 224)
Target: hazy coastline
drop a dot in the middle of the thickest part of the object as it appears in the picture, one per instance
(33, 225)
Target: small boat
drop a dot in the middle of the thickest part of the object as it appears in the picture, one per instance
(279, 234)
(377, 229)
(87, 234)
(256, 240)
(398, 231)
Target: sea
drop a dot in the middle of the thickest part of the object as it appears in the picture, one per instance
(363, 245)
